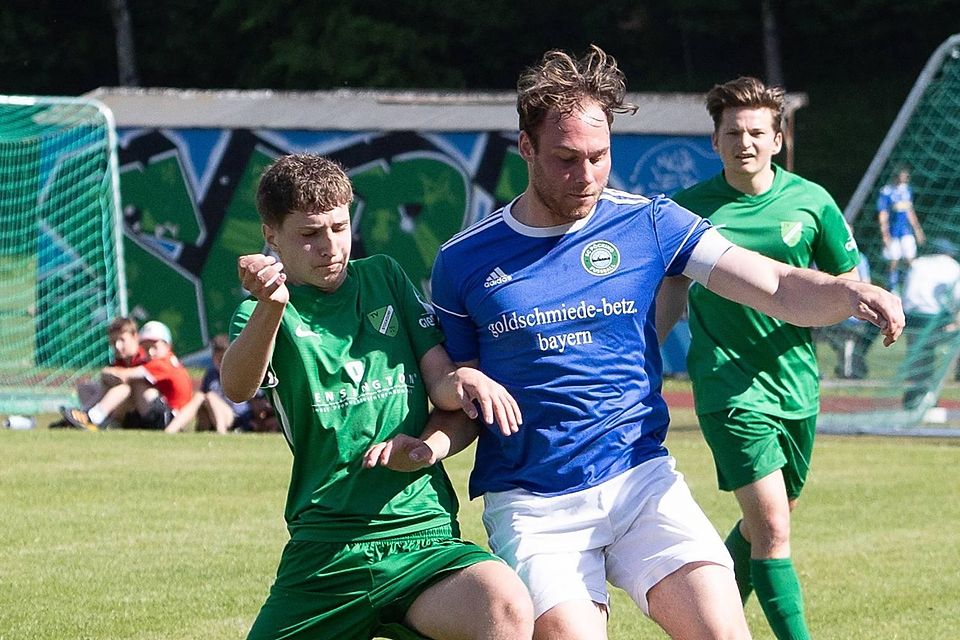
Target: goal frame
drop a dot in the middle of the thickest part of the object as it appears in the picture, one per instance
(32, 399)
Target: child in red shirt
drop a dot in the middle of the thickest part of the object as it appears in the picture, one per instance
(148, 395)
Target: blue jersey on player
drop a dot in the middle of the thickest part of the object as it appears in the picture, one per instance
(897, 201)
(563, 318)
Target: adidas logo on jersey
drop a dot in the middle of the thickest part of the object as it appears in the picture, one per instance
(497, 276)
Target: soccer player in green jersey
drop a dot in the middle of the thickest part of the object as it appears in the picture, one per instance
(350, 354)
(755, 378)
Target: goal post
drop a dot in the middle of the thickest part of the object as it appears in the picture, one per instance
(909, 387)
(61, 256)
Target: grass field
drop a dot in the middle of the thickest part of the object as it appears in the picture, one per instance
(139, 535)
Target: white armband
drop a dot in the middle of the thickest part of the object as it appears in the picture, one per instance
(705, 255)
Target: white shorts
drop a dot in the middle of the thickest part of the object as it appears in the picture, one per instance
(902, 248)
(633, 531)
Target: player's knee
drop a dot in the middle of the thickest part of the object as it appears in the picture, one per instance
(772, 535)
(511, 610)
(515, 621)
(485, 601)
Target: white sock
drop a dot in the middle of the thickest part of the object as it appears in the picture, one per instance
(96, 415)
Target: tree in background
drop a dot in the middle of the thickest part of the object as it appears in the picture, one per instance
(773, 61)
(126, 55)
(818, 47)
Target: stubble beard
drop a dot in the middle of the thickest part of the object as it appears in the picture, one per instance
(561, 212)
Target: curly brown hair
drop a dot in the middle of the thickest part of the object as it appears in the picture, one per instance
(301, 182)
(561, 83)
(748, 92)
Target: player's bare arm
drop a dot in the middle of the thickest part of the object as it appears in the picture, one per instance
(884, 218)
(446, 433)
(917, 229)
(803, 297)
(853, 274)
(671, 304)
(459, 387)
(245, 361)
(112, 376)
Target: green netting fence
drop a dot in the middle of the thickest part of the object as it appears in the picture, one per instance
(61, 266)
(910, 387)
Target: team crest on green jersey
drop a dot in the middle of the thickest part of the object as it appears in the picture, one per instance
(791, 232)
(600, 258)
(384, 320)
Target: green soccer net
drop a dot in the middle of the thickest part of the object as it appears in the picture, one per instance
(61, 268)
(908, 388)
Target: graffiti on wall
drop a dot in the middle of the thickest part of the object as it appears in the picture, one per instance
(188, 202)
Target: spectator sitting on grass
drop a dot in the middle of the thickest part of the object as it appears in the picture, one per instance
(213, 410)
(147, 396)
(122, 333)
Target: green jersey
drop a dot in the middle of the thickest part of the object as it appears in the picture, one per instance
(343, 376)
(740, 357)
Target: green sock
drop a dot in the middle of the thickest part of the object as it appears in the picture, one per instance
(739, 550)
(778, 590)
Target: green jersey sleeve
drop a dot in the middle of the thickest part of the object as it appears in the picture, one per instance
(836, 251)
(418, 315)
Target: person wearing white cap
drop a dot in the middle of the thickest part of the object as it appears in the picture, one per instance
(149, 395)
(124, 341)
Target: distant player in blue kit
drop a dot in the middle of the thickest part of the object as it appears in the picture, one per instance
(899, 227)
(552, 297)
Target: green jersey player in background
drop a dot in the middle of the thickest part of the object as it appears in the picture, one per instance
(755, 378)
(350, 354)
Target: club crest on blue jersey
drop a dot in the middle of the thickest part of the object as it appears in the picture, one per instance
(600, 258)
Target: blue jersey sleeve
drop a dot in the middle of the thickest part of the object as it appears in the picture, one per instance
(883, 200)
(458, 327)
(678, 232)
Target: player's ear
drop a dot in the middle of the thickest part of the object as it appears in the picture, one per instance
(713, 142)
(270, 235)
(526, 146)
(778, 142)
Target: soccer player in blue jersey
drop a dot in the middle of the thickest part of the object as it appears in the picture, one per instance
(899, 227)
(552, 297)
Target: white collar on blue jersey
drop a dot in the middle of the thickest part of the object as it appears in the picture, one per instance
(543, 232)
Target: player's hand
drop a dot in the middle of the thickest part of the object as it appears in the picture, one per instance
(263, 277)
(400, 453)
(883, 309)
(496, 403)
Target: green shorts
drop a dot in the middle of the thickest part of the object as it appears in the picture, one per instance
(358, 590)
(748, 445)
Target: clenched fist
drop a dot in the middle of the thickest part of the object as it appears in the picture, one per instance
(263, 277)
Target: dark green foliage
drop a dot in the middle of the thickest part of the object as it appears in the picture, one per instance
(836, 52)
